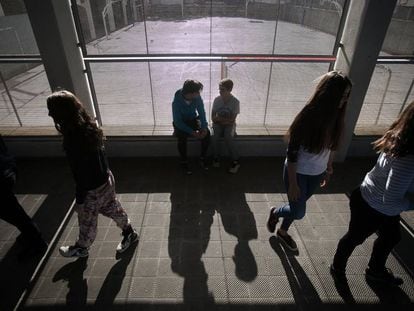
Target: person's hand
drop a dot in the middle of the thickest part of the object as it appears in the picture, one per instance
(324, 182)
(327, 177)
(294, 192)
(202, 133)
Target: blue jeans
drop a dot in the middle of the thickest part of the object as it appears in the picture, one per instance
(297, 210)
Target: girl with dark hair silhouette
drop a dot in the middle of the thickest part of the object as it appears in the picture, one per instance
(376, 205)
(95, 184)
(313, 135)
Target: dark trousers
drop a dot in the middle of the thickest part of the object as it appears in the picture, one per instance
(12, 212)
(182, 138)
(365, 221)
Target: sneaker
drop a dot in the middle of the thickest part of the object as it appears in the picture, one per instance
(203, 163)
(234, 168)
(186, 167)
(272, 221)
(216, 163)
(337, 274)
(287, 241)
(73, 251)
(127, 241)
(385, 276)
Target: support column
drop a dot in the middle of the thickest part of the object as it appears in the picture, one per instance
(364, 32)
(56, 38)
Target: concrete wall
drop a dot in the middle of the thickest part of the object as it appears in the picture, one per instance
(166, 146)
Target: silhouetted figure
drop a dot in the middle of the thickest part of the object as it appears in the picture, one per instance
(376, 205)
(11, 210)
(95, 184)
(313, 136)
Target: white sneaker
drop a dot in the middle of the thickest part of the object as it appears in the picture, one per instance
(127, 241)
(73, 251)
(234, 168)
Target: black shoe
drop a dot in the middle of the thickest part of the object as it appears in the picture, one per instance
(234, 168)
(186, 167)
(385, 276)
(337, 274)
(288, 241)
(272, 221)
(129, 238)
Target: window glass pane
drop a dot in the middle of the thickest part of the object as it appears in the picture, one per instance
(307, 27)
(124, 94)
(167, 78)
(399, 39)
(175, 29)
(250, 87)
(240, 27)
(191, 27)
(112, 28)
(16, 34)
(291, 87)
(126, 99)
(28, 87)
(388, 89)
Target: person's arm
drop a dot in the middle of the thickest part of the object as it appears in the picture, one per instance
(201, 113)
(214, 117)
(231, 120)
(329, 170)
(292, 157)
(178, 119)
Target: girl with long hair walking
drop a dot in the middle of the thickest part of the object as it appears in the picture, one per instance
(312, 137)
(376, 205)
(95, 184)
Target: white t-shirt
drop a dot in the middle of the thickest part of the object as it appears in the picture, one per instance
(312, 163)
(226, 110)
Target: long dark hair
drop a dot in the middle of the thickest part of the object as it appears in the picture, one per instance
(319, 125)
(72, 120)
(398, 140)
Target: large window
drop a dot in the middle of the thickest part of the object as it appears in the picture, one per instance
(23, 85)
(139, 92)
(175, 26)
(390, 90)
(391, 86)
(285, 41)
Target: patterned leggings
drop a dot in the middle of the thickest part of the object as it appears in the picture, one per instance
(100, 200)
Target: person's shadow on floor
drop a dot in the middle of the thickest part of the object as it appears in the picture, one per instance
(77, 284)
(113, 281)
(238, 220)
(188, 238)
(389, 294)
(302, 288)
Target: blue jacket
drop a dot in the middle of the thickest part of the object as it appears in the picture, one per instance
(183, 112)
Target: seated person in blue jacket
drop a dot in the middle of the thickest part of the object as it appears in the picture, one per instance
(189, 120)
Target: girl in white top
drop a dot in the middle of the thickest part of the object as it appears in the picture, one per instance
(312, 137)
